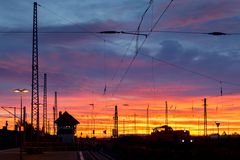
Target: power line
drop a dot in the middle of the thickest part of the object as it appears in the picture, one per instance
(191, 71)
(131, 32)
(84, 30)
(49, 32)
(194, 32)
(139, 48)
(153, 77)
(154, 25)
(122, 59)
(133, 59)
(152, 30)
(140, 23)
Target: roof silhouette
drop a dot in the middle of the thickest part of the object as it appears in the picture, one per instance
(66, 119)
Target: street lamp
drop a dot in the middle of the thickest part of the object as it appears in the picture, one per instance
(21, 138)
(21, 91)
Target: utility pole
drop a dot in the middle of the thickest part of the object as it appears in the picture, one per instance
(54, 118)
(205, 117)
(35, 81)
(217, 124)
(24, 117)
(48, 127)
(56, 106)
(123, 126)
(147, 129)
(21, 91)
(15, 123)
(92, 120)
(24, 132)
(21, 109)
(228, 127)
(115, 118)
(13, 114)
(55, 112)
(135, 124)
(198, 127)
(45, 104)
(166, 113)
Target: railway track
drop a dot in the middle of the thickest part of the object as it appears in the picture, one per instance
(94, 155)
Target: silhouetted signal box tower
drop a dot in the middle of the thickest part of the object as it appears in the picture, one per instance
(66, 127)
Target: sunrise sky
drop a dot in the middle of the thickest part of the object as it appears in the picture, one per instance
(181, 68)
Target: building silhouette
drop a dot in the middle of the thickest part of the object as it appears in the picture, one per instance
(66, 127)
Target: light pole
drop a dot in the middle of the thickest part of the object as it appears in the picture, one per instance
(93, 120)
(21, 137)
(21, 91)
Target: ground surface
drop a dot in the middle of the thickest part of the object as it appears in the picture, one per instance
(14, 154)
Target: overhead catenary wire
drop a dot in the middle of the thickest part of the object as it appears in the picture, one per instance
(149, 32)
(131, 32)
(104, 70)
(154, 25)
(122, 60)
(72, 22)
(153, 77)
(214, 33)
(84, 30)
(191, 71)
(144, 13)
(152, 13)
(136, 53)
(137, 47)
(152, 30)
(49, 32)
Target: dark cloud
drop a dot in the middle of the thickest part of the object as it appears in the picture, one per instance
(75, 61)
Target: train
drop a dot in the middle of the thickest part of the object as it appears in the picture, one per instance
(165, 134)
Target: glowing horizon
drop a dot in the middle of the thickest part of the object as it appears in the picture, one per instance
(183, 114)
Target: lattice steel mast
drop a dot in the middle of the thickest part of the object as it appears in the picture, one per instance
(35, 81)
(45, 104)
(115, 118)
